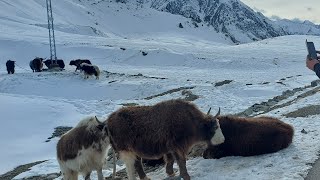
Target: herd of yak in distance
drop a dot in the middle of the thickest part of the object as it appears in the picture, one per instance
(36, 65)
(167, 131)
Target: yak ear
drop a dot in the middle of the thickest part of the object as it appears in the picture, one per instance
(100, 125)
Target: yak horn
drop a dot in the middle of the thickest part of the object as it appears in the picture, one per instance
(209, 111)
(218, 113)
(98, 120)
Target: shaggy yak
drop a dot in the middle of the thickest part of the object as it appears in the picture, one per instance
(169, 129)
(10, 66)
(36, 64)
(83, 149)
(60, 63)
(90, 70)
(77, 63)
(250, 136)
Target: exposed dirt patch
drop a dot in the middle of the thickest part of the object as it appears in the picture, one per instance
(129, 104)
(18, 170)
(169, 92)
(50, 176)
(58, 132)
(305, 111)
(189, 96)
(110, 74)
(274, 103)
(221, 83)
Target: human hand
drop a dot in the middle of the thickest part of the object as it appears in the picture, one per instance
(311, 62)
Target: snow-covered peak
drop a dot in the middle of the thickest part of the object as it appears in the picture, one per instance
(299, 27)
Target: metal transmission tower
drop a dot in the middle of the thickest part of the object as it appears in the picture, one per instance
(52, 41)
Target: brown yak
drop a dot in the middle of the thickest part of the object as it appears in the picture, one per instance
(250, 136)
(169, 129)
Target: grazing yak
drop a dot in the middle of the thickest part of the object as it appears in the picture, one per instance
(36, 64)
(10, 66)
(89, 70)
(77, 63)
(60, 63)
(250, 136)
(83, 149)
(169, 129)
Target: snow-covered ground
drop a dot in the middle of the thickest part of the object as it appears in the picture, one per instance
(33, 104)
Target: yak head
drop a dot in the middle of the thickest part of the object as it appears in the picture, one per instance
(215, 132)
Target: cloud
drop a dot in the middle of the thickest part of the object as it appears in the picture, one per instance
(275, 17)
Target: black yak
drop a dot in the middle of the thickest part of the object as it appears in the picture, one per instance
(77, 63)
(10, 66)
(90, 70)
(49, 63)
(36, 64)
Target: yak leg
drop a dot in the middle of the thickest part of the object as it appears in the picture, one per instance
(100, 175)
(139, 169)
(70, 175)
(181, 161)
(169, 159)
(87, 177)
(129, 160)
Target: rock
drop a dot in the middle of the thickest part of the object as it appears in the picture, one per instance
(304, 131)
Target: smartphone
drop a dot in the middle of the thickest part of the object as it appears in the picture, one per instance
(312, 53)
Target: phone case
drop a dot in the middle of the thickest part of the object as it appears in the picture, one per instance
(312, 53)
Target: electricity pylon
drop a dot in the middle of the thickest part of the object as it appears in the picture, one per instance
(52, 41)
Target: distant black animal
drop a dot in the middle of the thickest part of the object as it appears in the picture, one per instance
(250, 136)
(89, 70)
(10, 66)
(60, 63)
(36, 64)
(77, 63)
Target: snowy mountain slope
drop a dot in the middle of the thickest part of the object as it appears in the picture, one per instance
(230, 17)
(103, 19)
(298, 27)
(233, 18)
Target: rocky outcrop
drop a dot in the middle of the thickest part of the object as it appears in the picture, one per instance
(230, 17)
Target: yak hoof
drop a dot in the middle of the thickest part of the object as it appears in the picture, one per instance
(146, 178)
(172, 175)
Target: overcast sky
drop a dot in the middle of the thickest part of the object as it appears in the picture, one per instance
(289, 9)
